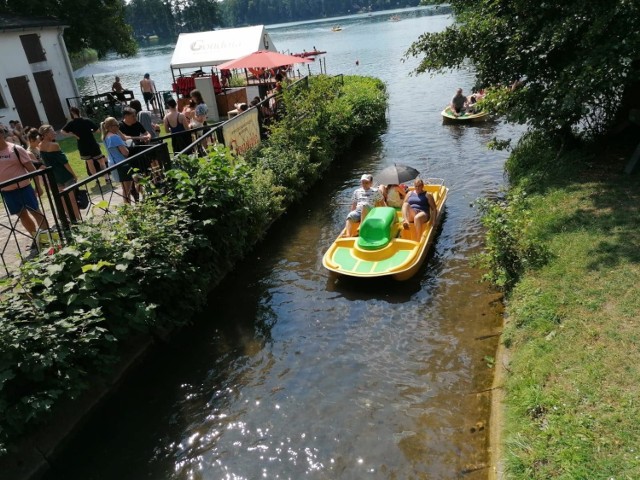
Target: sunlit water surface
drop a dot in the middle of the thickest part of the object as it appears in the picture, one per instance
(293, 373)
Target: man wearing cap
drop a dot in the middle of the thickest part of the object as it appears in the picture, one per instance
(362, 200)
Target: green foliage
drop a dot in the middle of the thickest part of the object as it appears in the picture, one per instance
(511, 245)
(83, 57)
(98, 25)
(556, 66)
(252, 12)
(323, 118)
(65, 314)
(148, 267)
(167, 18)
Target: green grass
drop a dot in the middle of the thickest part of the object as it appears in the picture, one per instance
(573, 334)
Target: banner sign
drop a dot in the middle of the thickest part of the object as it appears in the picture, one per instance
(242, 132)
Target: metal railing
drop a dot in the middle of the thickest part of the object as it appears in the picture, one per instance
(34, 226)
(149, 161)
(61, 209)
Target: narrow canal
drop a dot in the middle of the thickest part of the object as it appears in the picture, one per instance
(293, 373)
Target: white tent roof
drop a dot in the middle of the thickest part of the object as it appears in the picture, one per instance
(203, 49)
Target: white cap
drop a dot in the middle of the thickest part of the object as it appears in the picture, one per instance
(366, 177)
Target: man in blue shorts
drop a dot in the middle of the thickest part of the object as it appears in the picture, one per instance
(19, 197)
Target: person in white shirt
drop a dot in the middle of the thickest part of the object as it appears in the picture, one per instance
(362, 200)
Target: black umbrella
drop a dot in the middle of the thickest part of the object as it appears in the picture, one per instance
(396, 174)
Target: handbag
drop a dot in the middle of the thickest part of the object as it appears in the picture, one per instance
(82, 198)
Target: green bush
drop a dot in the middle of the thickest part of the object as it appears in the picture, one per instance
(148, 266)
(511, 246)
(66, 313)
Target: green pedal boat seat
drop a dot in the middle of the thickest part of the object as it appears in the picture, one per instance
(375, 230)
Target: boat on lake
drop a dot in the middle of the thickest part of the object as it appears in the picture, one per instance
(394, 18)
(383, 247)
(336, 28)
(311, 54)
(448, 116)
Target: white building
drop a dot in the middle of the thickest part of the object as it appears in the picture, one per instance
(35, 72)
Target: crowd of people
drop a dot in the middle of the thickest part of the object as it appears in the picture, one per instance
(417, 206)
(26, 149)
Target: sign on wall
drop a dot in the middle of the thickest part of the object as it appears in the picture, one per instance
(242, 132)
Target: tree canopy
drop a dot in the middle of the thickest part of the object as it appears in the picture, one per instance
(167, 18)
(240, 12)
(96, 24)
(556, 66)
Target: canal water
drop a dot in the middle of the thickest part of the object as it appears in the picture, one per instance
(294, 373)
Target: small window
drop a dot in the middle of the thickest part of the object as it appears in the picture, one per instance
(33, 48)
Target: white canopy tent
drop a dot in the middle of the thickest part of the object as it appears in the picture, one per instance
(204, 49)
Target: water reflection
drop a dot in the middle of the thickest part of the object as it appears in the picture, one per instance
(291, 372)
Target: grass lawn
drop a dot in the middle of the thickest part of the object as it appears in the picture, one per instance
(573, 334)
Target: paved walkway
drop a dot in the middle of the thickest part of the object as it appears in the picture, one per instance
(17, 245)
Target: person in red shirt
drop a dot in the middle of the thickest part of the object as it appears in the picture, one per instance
(19, 198)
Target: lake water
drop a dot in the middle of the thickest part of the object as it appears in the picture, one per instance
(294, 373)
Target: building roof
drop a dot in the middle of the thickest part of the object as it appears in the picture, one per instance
(15, 22)
(205, 49)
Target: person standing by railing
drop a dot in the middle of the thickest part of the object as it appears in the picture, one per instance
(83, 129)
(19, 198)
(52, 156)
(178, 124)
(117, 151)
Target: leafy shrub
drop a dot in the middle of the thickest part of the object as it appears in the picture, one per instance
(323, 120)
(148, 266)
(511, 248)
(67, 312)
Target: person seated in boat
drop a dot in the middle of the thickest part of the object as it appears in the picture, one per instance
(458, 103)
(393, 195)
(418, 207)
(362, 200)
(471, 103)
(473, 99)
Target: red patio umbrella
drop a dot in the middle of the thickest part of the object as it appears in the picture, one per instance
(263, 59)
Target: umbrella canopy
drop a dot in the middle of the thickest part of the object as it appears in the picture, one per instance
(396, 174)
(263, 59)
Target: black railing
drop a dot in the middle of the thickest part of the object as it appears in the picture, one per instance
(144, 161)
(33, 227)
(111, 104)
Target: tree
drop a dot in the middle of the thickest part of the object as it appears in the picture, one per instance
(557, 66)
(91, 24)
(151, 17)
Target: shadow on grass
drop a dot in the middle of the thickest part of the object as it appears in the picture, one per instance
(610, 208)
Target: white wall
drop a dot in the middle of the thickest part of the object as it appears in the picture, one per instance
(14, 64)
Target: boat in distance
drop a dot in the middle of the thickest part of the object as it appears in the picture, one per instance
(383, 247)
(448, 116)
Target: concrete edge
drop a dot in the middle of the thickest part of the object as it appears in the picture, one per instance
(496, 420)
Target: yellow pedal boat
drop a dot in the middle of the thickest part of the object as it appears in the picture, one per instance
(383, 248)
(449, 117)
